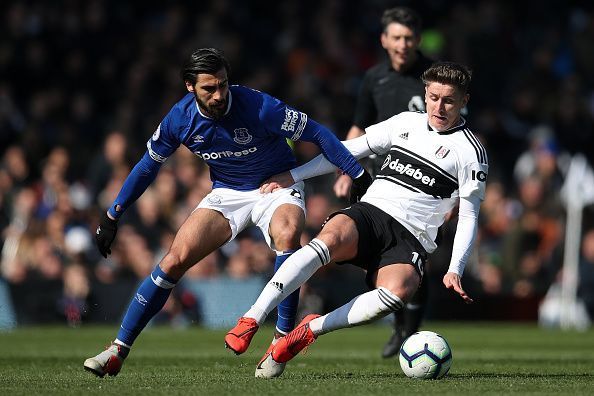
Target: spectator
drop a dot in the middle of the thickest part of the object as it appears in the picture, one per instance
(62, 132)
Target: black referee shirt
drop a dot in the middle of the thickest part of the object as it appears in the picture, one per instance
(386, 92)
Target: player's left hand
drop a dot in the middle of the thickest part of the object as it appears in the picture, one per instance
(105, 234)
(453, 281)
(282, 180)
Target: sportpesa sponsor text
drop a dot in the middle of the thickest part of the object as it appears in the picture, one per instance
(225, 154)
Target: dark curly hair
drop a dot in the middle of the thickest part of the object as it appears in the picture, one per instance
(203, 60)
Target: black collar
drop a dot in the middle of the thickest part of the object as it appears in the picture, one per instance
(416, 69)
(458, 127)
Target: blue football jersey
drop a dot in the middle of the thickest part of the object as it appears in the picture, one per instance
(244, 147)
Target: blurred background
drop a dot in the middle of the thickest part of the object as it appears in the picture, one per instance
(83, 85)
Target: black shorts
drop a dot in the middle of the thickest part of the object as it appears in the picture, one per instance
(382, 241)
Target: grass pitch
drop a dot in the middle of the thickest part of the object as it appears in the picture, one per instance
(489, 359)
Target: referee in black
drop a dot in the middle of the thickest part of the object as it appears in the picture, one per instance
(389, 88)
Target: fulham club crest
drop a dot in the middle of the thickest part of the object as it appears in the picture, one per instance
(242, 136)
(442, 152)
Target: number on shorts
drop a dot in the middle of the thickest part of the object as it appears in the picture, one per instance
(418, 261)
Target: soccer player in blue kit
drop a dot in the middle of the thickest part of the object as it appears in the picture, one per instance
(241, 134)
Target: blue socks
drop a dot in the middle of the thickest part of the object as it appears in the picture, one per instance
(149, 299)
(287, 309)
(155, 290)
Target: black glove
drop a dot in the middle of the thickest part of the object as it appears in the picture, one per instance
(360, 186)
(105, 234)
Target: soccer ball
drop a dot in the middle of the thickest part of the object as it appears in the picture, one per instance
(425, 355)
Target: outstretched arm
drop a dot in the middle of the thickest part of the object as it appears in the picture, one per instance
(320, 165)
(332, 149)
(135, 184)
(141, 176)
(463, 243)
(377, 140)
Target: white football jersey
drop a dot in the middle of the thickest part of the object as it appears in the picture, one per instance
(425, 172)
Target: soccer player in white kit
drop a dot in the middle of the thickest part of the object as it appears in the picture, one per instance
(433, 163)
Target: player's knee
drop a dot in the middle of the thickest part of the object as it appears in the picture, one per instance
(341, 236)
(392, 301)
(287, 237)
(330, 236)
(400, 279)
(340, 246)
(173, 265)
(402, 289)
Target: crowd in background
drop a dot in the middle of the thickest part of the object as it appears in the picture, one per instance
(83, 85)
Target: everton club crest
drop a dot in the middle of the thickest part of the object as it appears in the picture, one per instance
(442, 152)
(242, 136)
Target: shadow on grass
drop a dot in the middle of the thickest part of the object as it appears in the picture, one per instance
(520, 375)
(469, 376)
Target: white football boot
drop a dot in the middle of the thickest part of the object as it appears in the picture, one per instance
(107, 362)
(268, 367)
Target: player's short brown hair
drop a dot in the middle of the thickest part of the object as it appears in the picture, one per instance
(451, 73)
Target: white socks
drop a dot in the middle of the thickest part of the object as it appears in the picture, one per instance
(290, 276)
(298, 268)
(362, 309)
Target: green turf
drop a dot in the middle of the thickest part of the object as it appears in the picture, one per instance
(489, 359)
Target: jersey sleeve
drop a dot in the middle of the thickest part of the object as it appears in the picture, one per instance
(164, 141)
(141, 176)
(473, 167)
(320, 165)
(281, 119)
(466, 231)
(295, 125)
(472, 179)
(379, 136)
(167, 137)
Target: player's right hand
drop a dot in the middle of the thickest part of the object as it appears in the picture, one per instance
(282, 180)
(342, 185)
(105, 234)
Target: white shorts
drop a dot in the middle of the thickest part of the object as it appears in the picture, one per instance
(247, 208)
